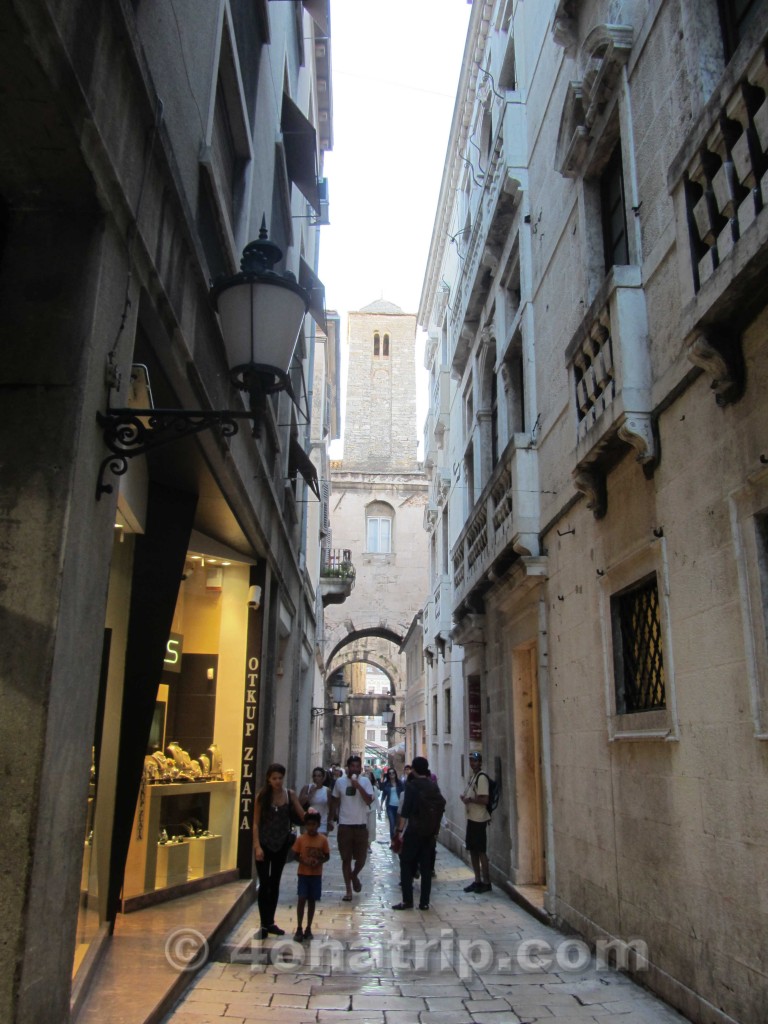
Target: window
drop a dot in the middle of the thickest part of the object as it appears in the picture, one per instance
(512, 375)
(376, 344)
(434, 714)
(469, 480)
(385, 348)
(613, 212)
(638, 649)
(638, 662)
(225, 163)
(749, 520)
(735, 19)
(447, 709)
(378, 532)
(370, 734)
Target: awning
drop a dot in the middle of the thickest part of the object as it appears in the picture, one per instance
(299, 461)
(300, 143)
(309, 280)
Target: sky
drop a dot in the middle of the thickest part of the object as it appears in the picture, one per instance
(395, 67)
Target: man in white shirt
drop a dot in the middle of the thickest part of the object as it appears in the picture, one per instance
(475, 800)
(352, 796)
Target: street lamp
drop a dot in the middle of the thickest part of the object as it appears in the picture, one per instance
(261, 311)
(339, 695)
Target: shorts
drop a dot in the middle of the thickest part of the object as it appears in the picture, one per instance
(477, 836)
(352, 841)
(310, 887)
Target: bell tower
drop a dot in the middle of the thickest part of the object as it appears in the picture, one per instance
(380, 425)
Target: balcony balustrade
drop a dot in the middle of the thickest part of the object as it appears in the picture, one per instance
(610, 377)
(502, 526)
(720, 182)
(337, 575)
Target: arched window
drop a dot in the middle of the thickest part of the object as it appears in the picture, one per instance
(385, 350)
(376, 343)
(379, 519)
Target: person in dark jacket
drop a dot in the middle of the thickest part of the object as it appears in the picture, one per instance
(391, 789)
(418, 824)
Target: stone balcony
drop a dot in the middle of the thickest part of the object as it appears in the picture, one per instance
(441, 402)
(719, 180)
(502, 185)
(337, 576)
(430, 444)
(503, 525)
(610, 383)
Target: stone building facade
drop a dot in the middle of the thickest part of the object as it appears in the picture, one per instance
(164, 595)
(596, 618)
(378, 498)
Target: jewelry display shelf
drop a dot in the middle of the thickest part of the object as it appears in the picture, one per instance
(151, 865)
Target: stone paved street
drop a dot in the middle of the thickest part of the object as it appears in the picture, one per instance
(368, 963)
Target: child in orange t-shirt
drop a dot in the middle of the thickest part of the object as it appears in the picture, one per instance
(312, 851)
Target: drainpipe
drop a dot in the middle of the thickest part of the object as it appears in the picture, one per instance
(546, 752)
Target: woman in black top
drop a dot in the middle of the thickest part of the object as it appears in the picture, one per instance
(271, 842)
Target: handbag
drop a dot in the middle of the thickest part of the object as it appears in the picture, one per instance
(291, 856)
(295, 819)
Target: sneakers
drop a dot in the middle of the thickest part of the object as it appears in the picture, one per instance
(298, 935)
(483, 887)
(471, 887)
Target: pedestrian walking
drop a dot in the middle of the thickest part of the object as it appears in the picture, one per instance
(475, 800)
(312, 851)
(272, 839)
(391, 789)
(317, 794)
(352, 796)
(419, 823)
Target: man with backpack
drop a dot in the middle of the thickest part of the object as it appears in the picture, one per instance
(476, 798)
(418, 825)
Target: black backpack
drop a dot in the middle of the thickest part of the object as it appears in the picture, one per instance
(493, 792)
(429, 807)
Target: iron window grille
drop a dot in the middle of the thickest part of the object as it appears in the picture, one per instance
(638, 653)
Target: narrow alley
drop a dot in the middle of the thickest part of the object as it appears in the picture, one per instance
(471, 959)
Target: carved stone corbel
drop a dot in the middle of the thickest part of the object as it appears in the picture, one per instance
(591, 483)
(490, 259)
(565, 25)
(470, 629)
(721, 359)
(637, 430)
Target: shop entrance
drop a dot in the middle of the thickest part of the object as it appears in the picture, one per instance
(530, 868)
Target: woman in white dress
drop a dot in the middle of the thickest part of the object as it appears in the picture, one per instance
(316, 794)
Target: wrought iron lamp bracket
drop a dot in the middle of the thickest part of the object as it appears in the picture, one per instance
(318, 712)
(132, 432)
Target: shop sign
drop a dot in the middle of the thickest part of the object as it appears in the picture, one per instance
(474, 710)
(173, 651)
(249, 743)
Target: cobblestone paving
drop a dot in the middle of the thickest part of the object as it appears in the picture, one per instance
(471, 959)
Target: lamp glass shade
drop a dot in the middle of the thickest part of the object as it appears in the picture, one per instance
(261, 320)
(340, 692)
(387, 717)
